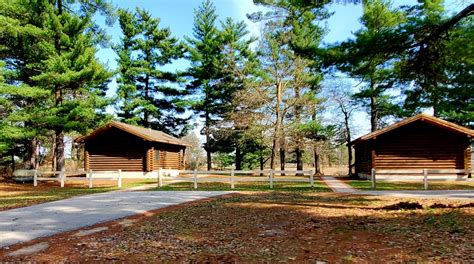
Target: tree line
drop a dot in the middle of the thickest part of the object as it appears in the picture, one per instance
(261, 101)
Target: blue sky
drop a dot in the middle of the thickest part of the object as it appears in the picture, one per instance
(178, 16)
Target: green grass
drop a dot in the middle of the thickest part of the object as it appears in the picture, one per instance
(384, 186)
(247, 186)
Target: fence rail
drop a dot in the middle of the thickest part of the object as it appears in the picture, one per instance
(228, 176)
(413, 172)
(231, 177)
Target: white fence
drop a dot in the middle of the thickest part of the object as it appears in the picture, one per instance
(235, 176)
(61, 178)
(231, 177)
(425, 173)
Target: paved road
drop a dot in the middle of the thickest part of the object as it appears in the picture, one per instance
(27, 223)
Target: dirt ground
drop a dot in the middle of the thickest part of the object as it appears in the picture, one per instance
(293, 227)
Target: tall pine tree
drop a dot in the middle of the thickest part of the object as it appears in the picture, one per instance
(237, 65)
(206, 56)
(364, 59)
(54, 51)
(149, 95)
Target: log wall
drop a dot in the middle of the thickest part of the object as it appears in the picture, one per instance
(115, 149)
(168, 157)
(414, 146)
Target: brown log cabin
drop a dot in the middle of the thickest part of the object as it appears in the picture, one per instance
(418, 142)
(131, 148)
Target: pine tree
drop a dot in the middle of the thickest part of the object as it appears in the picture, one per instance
(238, 64)
(23, 101)
(149, 95)
(205, 56)
(291, 34)
(437, 68)
(64, 66)
(364, 59)
(73, 75)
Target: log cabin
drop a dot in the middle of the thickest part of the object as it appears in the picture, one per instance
(418, 142)
(131, 148)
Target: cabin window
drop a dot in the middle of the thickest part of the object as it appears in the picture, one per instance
(157, 155)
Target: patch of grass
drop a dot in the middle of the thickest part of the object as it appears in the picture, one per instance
(246, 186)
(384, 186)
(448, 222)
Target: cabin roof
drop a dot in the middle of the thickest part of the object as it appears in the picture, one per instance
(420, 117)
(141, 132)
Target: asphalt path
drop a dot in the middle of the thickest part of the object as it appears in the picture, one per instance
(27, 223)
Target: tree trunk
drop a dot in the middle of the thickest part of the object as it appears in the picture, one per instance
(146, 114)
(262, 162)
(60, 154)
(373, 114)
(34, 154)
(317, 169)
(238, 158)
(282, 153)
(208, 149)
(53, 154)
(299, 158)
(348, 137)
(299, 137)
(373, 104)
(13, 159)
(276, 135)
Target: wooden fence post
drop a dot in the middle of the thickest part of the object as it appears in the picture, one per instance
(372, 177)
(61, 175)
(160, 179)
(232, 179)
(35, 178)
(119, 182)
(271, 179)
(311, 179)
(425, 179)
(90, 178)
(195, 180)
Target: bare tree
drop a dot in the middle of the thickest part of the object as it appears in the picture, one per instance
(340, 93)
(195, 155)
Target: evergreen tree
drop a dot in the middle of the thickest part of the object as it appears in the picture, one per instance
(291, 34)
(74, 76)
(206, 56)
(437, 68)
(23, 47)
(53, 48)
(149, 95)
(238, 64)
(362, 59)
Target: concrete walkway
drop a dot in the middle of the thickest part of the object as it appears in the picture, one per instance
(27, 223)
(341, 187)
(338, 186)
